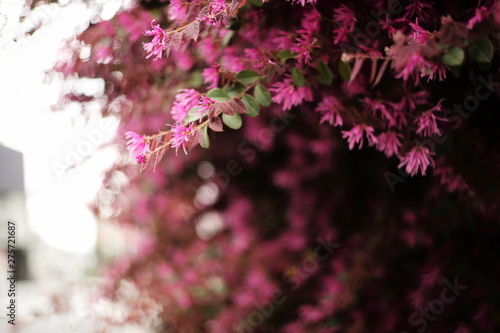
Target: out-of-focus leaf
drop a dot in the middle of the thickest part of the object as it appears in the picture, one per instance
(284, 55)
(325, 74)
(481, 51)
(345, 70)
(454, 57)
(262, 95)
(233, 121)
(251, 104)
(218, 95)
(298, 78)
(247, 77)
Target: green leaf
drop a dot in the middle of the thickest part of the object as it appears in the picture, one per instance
(192, 115)
(227, 38)
(234, 91)
(345, 70)
(247, 77)
(233, 121)
(251, 104)
(284, 55)
(195, 79)
(206, 140)
(298, 78)
(262, 95)
(454, 57)
(325, 74)
(218, 95)
(481, 51)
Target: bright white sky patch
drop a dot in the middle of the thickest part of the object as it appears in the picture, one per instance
(57, 200)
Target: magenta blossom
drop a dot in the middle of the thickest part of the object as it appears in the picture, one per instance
(329, 107)
(389, 143)
(346, 20)
(420, 34)
(355, 136)
(211, 76)
(180, 136)
(157, 45)
(177, 10)
(205, 103)
(418, 158)
(420, 9)
(136, 143)
(480, 15)
(141, 158)
(185, 100)
(289, 95)
(303, 2)
(215, 9)
(427, 125)
(414, 66)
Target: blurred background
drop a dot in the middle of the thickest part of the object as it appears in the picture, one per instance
(51, 166)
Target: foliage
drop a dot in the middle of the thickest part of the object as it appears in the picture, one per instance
(281, 93)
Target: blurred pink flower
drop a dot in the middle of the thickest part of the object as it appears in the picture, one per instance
(180, 136)
(417, 159)
(289, 95)
(136, 143)
(302, 2)
(157, 44)
(329, 107)
(427, 125)
(420, 34)
(184, 101)
(211, 76)
(480, 15)
(389, 143)
(414, 66)
(355, 136)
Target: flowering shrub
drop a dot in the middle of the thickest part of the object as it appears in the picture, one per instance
(279, 92)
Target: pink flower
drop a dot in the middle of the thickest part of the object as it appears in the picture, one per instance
(389, 143)
(177, 10)
(345, 17)
(306, 40)
(180, 136)
(414, 66)
(289, 95)
(418, 158)
(427, 124)
(212, 16)
(136, 143)
(205, 103)
(346, 21)
(303, 47)
(375, 106)
(185, 100)
(481, 14)
(437, 70)
(311, 23)
(157, 45)
(141, 158)
(420, 9)
(211, 76)
(420, 34)
(330, 107)
(302, 2)
(355, 136)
